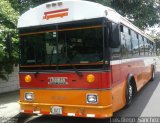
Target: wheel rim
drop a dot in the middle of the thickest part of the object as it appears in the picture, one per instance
(130, 92)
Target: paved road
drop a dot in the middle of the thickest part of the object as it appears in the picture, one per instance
(145, 104)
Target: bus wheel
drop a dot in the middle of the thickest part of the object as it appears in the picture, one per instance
(153, 73)
(129, 94)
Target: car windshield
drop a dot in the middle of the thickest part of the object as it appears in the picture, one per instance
(62, 47)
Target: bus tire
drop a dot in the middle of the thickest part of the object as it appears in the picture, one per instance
(130, 90)
(153, 73)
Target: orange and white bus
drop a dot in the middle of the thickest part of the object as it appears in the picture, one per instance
(81, 59)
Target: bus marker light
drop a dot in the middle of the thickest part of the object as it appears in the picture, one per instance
(48, 5)
(60, 4)
(28, 78)
(90, 78)
(53, 4)
(106, 12)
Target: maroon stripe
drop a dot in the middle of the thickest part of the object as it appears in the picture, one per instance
(102, 80)
(56, 11)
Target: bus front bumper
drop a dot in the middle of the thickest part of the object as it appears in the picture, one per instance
(68, 110)
(72, 104)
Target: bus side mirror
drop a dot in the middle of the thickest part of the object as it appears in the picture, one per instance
(114, 36)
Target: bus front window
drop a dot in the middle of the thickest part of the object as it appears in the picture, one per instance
(82, 47)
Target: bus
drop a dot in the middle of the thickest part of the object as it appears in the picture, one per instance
(81, 59)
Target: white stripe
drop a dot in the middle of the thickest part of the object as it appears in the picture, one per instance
(90, 115)
(39, 114)
(150, 60)
(71, 114)
(36, 112)
(22, 111)
(114, 62)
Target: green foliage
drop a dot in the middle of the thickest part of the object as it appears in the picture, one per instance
(8, 22)
(7, 13)
(103, 2)
(8, 59)
(143, 13)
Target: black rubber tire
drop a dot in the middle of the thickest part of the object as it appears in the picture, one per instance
(129, 93)
(153, 73)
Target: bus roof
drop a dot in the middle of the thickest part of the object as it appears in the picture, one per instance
(71, 10)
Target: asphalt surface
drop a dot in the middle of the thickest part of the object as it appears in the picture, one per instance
(145, 104)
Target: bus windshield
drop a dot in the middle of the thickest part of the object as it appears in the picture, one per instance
(81, 46)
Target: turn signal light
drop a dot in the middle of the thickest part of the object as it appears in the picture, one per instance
(90, 78)
(28, 78)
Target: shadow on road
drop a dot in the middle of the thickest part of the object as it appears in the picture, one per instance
(56, 119)
(135, 110)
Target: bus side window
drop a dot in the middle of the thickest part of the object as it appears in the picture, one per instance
(154, 49)
(135, 47)
(141, 45)
(145, 47)
(123, 43)
(121, 28)
(150, 48)
(126, 43)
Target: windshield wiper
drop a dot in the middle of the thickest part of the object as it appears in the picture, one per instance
(74, 68)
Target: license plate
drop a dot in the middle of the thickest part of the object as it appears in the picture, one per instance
(56, 110)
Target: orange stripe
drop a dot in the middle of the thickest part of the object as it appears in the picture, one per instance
(67, 29)
(56, 11)
(61, 65)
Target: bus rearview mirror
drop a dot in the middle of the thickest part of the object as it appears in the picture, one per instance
(115, 38)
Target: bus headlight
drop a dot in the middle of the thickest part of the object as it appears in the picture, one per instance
(92, 98)
(29, 96)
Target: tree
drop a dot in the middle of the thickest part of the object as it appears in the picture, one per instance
(142, 13)
(8, 36)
